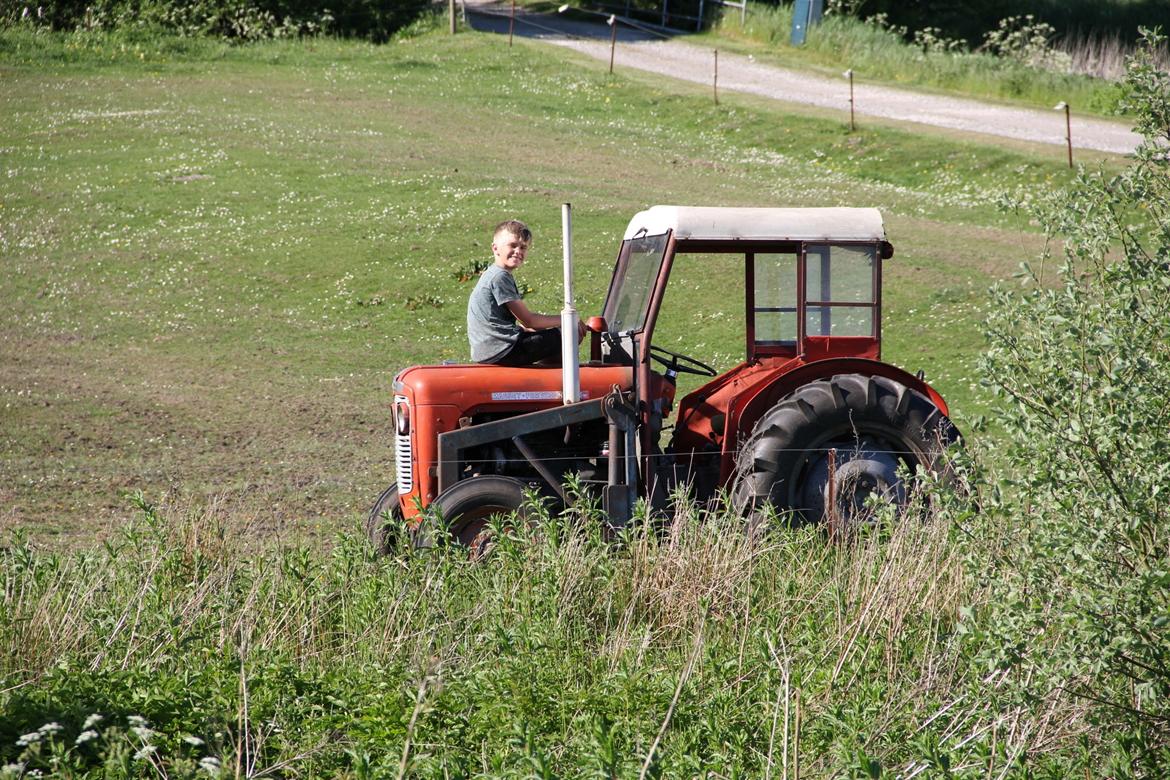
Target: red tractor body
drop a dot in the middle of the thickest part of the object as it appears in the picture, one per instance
(811, 421)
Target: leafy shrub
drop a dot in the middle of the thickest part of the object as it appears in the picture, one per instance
(971, 20)
(242, 20)
(1079, 603)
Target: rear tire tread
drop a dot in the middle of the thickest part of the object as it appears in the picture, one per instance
(843, 407)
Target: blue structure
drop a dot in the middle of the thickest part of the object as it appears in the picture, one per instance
(805, 14)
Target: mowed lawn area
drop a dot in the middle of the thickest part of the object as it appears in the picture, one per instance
(215, 258)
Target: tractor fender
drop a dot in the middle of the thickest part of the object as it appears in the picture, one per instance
(752, 404)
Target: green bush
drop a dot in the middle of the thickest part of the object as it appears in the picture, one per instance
(1079, 592)
(232, 19)
(972, 19)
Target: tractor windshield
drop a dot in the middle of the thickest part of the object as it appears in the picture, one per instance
(633, 283)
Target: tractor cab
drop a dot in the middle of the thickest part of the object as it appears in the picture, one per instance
(811, 295)
(812, 292)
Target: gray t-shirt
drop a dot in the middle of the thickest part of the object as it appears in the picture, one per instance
(491, 328)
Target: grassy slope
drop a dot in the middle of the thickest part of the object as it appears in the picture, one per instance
(216, 260)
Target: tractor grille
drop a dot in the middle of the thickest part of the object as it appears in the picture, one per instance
(403, 465)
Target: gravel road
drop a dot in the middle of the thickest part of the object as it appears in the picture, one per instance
(676, 59)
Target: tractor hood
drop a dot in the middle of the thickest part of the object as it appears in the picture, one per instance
(472, 388)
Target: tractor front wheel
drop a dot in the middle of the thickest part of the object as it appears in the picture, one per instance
(467, 506)
(384, 521)
(823, 450)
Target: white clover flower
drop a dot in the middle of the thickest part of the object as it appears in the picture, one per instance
(192, 740)
(92, 721)
(136, 721)
(210, 765)
(85, 736)
(50, 728)
(31, 738)
(144, 752)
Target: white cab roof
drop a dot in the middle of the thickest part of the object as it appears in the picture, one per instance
(706, 223)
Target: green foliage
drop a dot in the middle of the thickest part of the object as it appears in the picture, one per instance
(243, 20)
(972, 19)
(1079, 600)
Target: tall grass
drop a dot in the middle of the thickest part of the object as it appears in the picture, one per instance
(1103, 56)
(561, 654)
(881, 54)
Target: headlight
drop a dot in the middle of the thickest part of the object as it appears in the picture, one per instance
(401, 415)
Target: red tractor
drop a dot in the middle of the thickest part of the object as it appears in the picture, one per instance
(811, 423)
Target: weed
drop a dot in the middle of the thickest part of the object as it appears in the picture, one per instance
(417, 301)
(470, 270)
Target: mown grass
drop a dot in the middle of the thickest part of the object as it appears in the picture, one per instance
(216, 257)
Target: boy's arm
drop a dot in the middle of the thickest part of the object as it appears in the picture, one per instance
(530, 320)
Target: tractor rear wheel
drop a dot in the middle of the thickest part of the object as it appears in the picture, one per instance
(384, 522)
(823, 450)
(466, 508)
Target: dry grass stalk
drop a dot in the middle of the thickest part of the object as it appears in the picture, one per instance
(1103, 56)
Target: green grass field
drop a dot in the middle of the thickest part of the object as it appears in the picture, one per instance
(216, 257)
(214, 260)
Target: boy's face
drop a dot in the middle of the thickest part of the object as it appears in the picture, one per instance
(509, 250)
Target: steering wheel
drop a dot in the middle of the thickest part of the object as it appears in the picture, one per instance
(680, 364)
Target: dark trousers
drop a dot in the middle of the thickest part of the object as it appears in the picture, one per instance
(534, 347)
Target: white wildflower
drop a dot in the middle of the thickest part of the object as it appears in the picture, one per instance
(85, 736)
(144, 752)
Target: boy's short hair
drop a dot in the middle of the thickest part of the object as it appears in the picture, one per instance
(516, 228)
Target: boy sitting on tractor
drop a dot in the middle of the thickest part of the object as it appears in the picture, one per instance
(501, 328)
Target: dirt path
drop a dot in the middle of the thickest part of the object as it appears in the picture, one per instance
(677, 59)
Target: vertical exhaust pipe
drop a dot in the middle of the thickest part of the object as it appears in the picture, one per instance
(570, 369)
